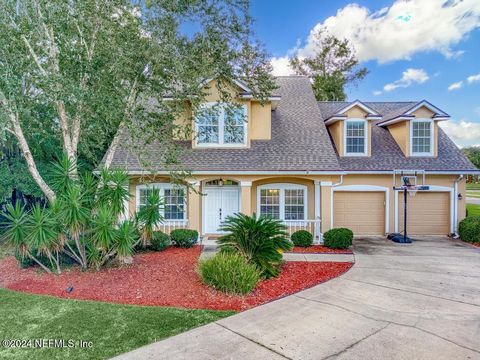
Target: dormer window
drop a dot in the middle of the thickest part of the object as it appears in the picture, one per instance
(221, 126)
(356, 137)
(421, 138)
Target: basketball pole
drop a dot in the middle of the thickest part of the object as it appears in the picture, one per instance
(405, 214)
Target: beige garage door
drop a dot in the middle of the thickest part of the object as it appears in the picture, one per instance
(428, 213)
(363, 212)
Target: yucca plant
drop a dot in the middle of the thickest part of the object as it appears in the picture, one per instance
(113, 190)
(16, 232)
(42, 234)
(149, 216)
(60, 173)
(260, 240)
(73, 213)
(127, 235)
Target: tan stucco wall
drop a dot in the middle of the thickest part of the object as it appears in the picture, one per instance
(249, 194)
(260, 121)
(400, 132)
(336, 131)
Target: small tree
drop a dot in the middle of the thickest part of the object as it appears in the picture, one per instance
(150, 216)
(331, 68)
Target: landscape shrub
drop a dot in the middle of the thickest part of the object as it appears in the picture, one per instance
(469, 229)
(160, 241)
(184, 238)
(339, 238)
(260, 241)
(302, 238)
(229, 273)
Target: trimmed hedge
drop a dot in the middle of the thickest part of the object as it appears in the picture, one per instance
(160, 241)
(229, 273)
(184, 238)
(302, 238)
(469, 229)
(339, 238)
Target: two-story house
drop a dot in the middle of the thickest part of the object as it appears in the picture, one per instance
(314, 165)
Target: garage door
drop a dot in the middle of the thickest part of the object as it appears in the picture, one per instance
(428, 213)
(363, 212)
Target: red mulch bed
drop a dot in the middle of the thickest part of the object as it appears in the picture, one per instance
(166, 278)
(476, 244)
(319, 249)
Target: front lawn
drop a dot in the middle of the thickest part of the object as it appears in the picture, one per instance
(112, 328)
(473, 209)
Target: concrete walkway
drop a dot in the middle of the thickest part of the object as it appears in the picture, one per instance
(418, 301)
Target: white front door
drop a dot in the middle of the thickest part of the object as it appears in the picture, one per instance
(220, 202)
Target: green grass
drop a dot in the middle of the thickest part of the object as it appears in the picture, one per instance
(473, 193)
(112, 328)
(473, 186)
(473, 209)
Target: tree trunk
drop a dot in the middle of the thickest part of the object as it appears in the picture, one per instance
(39, 263)
(32, 167)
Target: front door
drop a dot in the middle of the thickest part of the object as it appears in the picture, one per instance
(220, 202)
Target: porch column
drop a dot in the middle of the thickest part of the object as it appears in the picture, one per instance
(316, 195)
(194, 206)
(246, 197)
(326, 205)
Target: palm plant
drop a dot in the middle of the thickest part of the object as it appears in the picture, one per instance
(42, 235)
(16, 232)
(149, 215)
(103, 235)
(113, 190)
(260, 241)
(74, 214)
(127, 235)
(60, 173)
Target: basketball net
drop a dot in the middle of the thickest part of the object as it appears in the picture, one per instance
(412, 192)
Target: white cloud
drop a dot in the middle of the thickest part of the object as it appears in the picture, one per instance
(455, 86)
(463, 132)
(281, 66)
(403, 29)
(377, 92)
(409, 77)
(473, 78)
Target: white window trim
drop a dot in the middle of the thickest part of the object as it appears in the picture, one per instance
(162, 187)
(432, 136)
(282, 187)
(365, 124)
(221, 128)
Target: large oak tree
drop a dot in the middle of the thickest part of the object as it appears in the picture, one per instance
(76, 71)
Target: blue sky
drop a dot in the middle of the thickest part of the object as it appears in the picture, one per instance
(414, 49)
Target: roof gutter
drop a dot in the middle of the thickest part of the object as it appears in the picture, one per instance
(302, 172)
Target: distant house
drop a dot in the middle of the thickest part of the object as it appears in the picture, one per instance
(314, 165)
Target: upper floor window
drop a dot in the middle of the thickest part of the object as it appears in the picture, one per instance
(219, 125)
(421, 139)
(356, 137)
(283, 201)
(174, 201)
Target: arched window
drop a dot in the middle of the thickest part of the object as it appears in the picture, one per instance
(282, 201)
(221, 182)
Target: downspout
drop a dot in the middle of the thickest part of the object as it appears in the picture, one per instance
(455, 207)
(338, 183)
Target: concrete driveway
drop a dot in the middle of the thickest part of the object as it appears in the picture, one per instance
(418, 301)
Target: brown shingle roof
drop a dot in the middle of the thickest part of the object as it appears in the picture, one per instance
(300, 142)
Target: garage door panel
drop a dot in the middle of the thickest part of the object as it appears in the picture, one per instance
(428, 213)
(363, 212)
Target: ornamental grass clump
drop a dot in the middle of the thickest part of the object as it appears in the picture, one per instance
(302, 238)
(339, 238)
(260, 240)
(229, 273)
